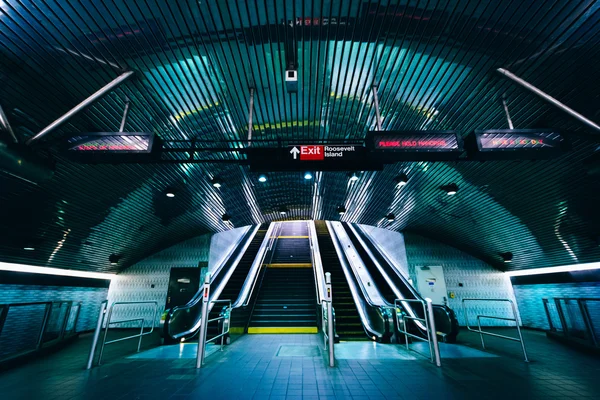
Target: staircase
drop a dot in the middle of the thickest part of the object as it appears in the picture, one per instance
(287, 301)
(347, 320)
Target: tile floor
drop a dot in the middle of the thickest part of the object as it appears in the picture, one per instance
(286, 367)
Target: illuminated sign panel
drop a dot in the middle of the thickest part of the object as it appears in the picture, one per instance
(111, 143)
(506, 144)
(415, 145)
(517, 139)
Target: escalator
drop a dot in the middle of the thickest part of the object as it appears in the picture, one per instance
(348, 323)
(182, 322)
(392, 285)
(236, 281)
(286, 302)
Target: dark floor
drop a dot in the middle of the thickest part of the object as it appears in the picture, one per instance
(290, 367)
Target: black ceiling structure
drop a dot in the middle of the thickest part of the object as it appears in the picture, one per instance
(195, 65)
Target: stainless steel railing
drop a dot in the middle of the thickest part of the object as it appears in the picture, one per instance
(482, 332)
(54, 321)
(575, 320)
(428, 320)
(328, 320)
(225, 316)
(101, 322)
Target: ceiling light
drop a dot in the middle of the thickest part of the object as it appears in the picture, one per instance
(216, 183)
(554, 270)
(262, 178)
(29, 248)
(450, 189)
(114, 259)
(170, 192)
(353, 177)
(308, 175)
(53, 271)
(390, 217)
(341, 210)
(283, 211)
(507, 257)
(401, 180)
(225, 217)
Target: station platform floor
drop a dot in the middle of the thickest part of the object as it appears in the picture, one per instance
(294, 367)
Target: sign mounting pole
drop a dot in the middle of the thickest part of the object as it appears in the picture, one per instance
(250, 116)
(510, 124)
(85, 103)
(376, 101)
(6, 125)
(548, 98)
(125, 113)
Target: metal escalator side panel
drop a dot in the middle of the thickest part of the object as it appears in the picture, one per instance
(250, 282)
(188, 316)
(444, 316)
(316, 262)
(363, 306)
(397, 291)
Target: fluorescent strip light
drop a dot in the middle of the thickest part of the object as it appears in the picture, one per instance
(54, 271)
(553, 270)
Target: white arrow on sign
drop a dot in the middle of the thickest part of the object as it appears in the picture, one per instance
(295, 152)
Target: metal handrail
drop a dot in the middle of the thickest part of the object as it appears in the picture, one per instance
(584, 311)
(429, 321)
(227, 315)
(315, 255)
(481, 332)
(272, 240)
(109, 322)
(328, 320)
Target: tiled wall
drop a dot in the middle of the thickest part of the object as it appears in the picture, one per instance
(478, 279)
(135, 283)
(22, 326)
(392, 243)
(529, 298)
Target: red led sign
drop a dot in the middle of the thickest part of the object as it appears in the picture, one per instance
(513, 139)
(428, 141)
(111, 143)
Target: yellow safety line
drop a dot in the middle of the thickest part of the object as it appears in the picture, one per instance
(284, 329)
(237, 331)
(289, 237)
(291, 265)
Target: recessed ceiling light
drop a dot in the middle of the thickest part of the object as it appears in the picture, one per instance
(353, 177)
(450, 189)
(390, 217)
(262, 178)
(341, 210)
(170, 192)
(283, 211)
(29, 248)
(114, 259)
(225, 217)
(216, 182)
(507, 257)
(401, 180)
(308, 175)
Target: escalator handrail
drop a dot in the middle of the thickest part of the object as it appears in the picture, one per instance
(315, 255)
(267, 246)
(357, 294)
(367, 296)
(362, 237)
(247, 238)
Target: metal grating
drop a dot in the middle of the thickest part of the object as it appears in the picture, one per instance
(195, 62)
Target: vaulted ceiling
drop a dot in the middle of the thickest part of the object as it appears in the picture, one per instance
(195, 61)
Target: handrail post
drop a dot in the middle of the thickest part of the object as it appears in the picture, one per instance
(203, 323)
(436, 348)
(514, 310)
(96, 334)
(330, 330)
(47, 313)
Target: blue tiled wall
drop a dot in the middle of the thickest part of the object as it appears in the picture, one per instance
(529, 298)
(478, 279)
(89, 297)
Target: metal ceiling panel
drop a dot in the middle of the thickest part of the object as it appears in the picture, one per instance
(196, 62)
